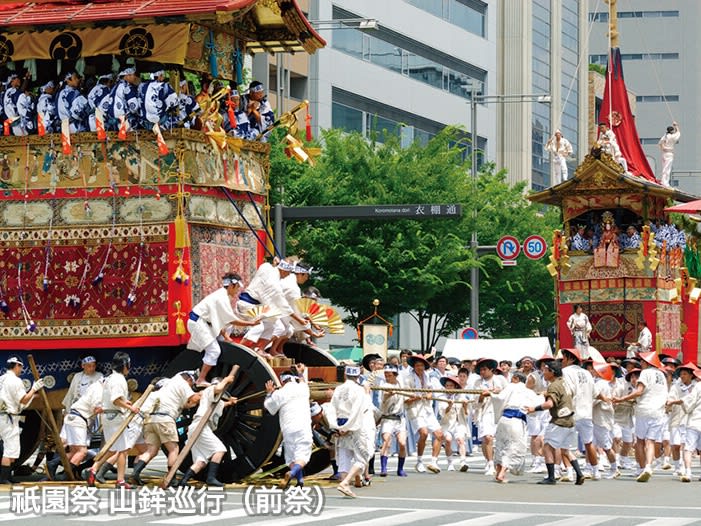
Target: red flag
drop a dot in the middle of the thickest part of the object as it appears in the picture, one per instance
(308, 121)
(66, 136)
(100, 125)
(41, 129)
(615, 110)
(162, 146)
(123, 126)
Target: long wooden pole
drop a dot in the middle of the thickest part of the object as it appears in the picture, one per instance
(192, 438)
(109, 443)
(52, 422)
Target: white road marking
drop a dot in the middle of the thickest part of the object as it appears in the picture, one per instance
(490, 519)
(229, 514)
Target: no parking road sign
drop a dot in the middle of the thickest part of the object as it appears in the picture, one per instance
(508, 249)
(534, 247)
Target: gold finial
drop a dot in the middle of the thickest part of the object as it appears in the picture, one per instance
(376, 302)
(613, 22)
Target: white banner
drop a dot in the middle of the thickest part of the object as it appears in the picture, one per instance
(375, 340)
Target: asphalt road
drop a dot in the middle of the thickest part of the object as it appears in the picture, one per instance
(448, 499)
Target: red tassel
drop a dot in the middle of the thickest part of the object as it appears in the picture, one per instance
(308, 121)
(100, 126)
(122, 134)
(66, 137)
(162, 146)
(6, 127)
(41, 129)
(231, 112)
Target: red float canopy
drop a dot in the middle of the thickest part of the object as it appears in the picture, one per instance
(280, 25)
(692, 207)
(615, 110)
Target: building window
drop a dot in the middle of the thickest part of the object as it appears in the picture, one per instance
(346, 118)
(604, 16)
(603, 59)
(353, 112)
(540, 120)
(470, 15)
(388, 53)
(657, 98)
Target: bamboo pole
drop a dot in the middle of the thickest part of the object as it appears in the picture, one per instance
(52, 422)
(400, 389)
(109, 443)
(192, 438)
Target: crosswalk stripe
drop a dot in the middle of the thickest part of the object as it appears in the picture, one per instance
(586, 520)
(229, 514)
(325, 515)
(670, 521)
(102, 517)
(405, 518)
(5, 517)
(489, 520)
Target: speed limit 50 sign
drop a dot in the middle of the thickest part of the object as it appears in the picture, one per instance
(534, 247)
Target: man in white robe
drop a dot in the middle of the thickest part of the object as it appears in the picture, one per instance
(420, 413)
(292, 276)
(580, 327)
(580, 386)
(116, 406)
(264, 289)
(77, 424)
(644, 343)
(81, 381)
(209, 318)
(666, 144)
(291, 403)
(353, 446)
(536, 422)
(650, 394)
(486, 426)
(207, 448)
(511, 437)
(14, 398)
(603, 414)
(159, 425)
(393, 421)
(453, 413)
(561, 150)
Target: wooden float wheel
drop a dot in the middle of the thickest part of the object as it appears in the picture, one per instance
(250, 434)
(309, 355)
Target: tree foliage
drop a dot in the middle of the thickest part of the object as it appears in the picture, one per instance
(421, 267)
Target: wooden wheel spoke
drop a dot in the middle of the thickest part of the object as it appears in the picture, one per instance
(239, 387)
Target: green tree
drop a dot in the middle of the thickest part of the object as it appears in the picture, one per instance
(515, 301)
(420, 267)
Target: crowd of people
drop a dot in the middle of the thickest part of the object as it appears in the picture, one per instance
(640, 415)
(130, 101)
(587, 237)
(98, 406)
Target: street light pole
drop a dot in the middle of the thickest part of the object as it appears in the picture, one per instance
(474, 271)
(474, 245)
